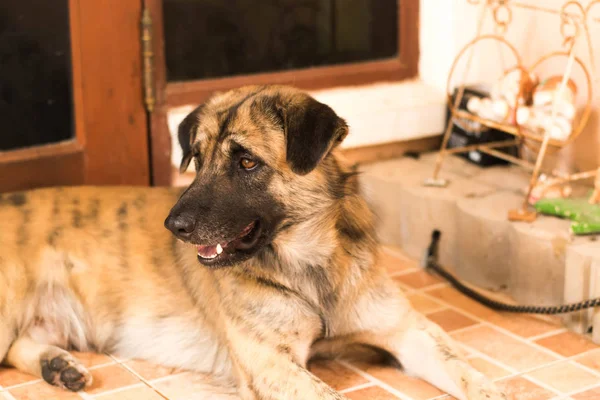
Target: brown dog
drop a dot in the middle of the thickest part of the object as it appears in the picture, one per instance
(271, 260)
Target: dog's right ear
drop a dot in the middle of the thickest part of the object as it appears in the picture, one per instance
(186, 134)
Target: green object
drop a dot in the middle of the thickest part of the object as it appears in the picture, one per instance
(585, 216)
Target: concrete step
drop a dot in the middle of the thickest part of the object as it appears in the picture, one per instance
(539, 263)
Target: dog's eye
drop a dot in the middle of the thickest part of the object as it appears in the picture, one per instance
(247, 163)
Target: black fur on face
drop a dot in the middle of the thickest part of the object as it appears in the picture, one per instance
(185, 135)
(220, 205)
(311, 129)
(230, 207)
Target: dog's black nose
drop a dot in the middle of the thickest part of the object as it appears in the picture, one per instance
(181, 225)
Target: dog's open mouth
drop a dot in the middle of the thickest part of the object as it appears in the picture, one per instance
(245, 241)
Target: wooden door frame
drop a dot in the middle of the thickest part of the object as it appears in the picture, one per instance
(110, 145)
(174, 94)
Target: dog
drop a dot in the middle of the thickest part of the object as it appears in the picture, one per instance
(269, 260)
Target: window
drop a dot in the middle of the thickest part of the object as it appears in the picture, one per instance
(218, 45)
(35, 75)
(214, 39)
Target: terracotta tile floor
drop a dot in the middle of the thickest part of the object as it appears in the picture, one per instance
(531, 358)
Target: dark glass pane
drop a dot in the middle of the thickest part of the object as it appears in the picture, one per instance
(35, 73)
(216, 38)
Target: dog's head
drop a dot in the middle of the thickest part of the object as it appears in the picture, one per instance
(259, 156)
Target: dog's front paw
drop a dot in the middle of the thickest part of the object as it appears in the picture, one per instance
(66, 372)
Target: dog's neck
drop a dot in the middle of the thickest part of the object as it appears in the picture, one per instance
(321, 254)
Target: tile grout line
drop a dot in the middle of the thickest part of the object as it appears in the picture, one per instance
(371, 378)
(464, 328)
(548, 334)
(548, 364)
(433, 310)
(516, 337)
(542, 384)
(142, 379)
(117, 359)
(358, 387)
(164, 378)
(398, 254)
(513, 373)
(560, 358)
(20, 385)
(525, 340)
(34, 381)
(583, 389)
(7, 395)
(592, 371)
(441, 396)
(112, 391)
(102, 366)
(409, 270)
(499, 329)
(529, 341)
(533, 344)
(406, 291)
(492, 360)
(534, 369)
(433, 286)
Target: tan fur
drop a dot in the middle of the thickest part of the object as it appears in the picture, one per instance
(94, 269)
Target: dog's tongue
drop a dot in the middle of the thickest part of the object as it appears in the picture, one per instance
(210, 251)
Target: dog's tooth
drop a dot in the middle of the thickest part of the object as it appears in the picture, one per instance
(219, 248)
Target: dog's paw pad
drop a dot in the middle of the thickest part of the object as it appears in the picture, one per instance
(65, 372)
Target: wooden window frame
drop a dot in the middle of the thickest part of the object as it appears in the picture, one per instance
(37, 165)
(107, 105)
(174, 94)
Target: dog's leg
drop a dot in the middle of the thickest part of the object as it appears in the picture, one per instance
(426, 351)
(422, 348)
(264, 372)
(282, 379)
(6, 338)
(54, 365)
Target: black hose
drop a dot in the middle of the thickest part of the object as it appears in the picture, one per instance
(431, 263)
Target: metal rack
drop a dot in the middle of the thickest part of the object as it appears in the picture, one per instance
(574, 29)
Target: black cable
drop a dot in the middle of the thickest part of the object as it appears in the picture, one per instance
(431, 263)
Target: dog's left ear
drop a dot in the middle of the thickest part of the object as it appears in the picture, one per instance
(312, 130)
(186, 134)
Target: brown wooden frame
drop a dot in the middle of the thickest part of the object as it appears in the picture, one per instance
(168, 95)
(110, 145)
